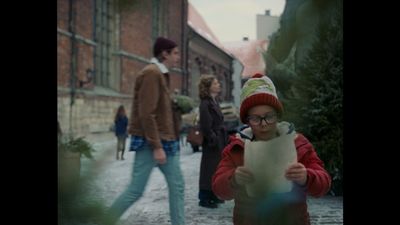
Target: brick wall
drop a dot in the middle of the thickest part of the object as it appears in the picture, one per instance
(84, 28)
(94, 112)
(63, 60)
(175, 32)
(136, 33)
(131, 68)
(84, 18)
(62, 14)
(175, 22)
(84, 61)
(136, 28)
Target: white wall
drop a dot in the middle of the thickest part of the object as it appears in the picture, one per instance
(237, 81)
(266, 26)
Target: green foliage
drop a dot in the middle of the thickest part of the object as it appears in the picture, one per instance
(184, 103)
(312, 98)
(73, 210)
(77, 206)
(319, 95)
(76, 145)
(282, 74)
(127, 4)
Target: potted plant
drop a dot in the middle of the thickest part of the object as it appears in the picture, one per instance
(76, 204)
(184, 103)
(70, 150)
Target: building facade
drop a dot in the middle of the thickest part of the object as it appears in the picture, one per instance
(207, 56)
(250, 54)
(266, 25)
(101, 45)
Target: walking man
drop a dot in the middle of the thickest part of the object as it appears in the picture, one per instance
(153, 132)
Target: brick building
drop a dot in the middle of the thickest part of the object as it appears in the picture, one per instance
(102, 44)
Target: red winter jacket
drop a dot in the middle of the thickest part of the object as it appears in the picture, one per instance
(289, 208)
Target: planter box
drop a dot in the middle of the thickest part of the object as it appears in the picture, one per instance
(69, 166)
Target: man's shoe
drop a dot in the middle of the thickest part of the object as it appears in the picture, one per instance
(208, 204)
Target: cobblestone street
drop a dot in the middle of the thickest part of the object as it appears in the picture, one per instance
(113, 176)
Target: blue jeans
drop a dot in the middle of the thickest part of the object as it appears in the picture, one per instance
(142, 167)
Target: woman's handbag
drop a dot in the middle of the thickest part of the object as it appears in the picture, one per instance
(194, 137)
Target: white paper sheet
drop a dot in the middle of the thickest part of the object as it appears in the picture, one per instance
(268, 160)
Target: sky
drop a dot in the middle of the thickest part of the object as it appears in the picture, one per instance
(231, 20)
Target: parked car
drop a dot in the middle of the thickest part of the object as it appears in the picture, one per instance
(231, 117)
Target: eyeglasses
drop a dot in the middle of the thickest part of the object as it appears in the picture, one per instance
(268, 118)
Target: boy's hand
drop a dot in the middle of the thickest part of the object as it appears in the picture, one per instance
(297, 172)
(243, 176)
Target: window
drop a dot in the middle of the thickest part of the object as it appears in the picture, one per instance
(105, 37)
(160, 19)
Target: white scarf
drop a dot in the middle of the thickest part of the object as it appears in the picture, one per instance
(160, 65)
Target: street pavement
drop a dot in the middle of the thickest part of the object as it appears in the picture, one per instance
(110, 178)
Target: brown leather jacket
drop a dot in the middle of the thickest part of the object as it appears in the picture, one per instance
(152, 116)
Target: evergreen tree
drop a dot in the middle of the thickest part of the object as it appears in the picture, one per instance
(317, 106)
(312, 94)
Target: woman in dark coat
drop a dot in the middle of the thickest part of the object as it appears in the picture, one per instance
(215, 138)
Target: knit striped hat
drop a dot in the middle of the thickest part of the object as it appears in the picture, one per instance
(258, 90)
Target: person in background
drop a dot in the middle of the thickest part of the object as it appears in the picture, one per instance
(260, 110)
(121, 125)
(215, 138)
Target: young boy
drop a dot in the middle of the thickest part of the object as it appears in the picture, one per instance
(260, 109)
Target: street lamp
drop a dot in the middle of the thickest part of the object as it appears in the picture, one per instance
(89, 77)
